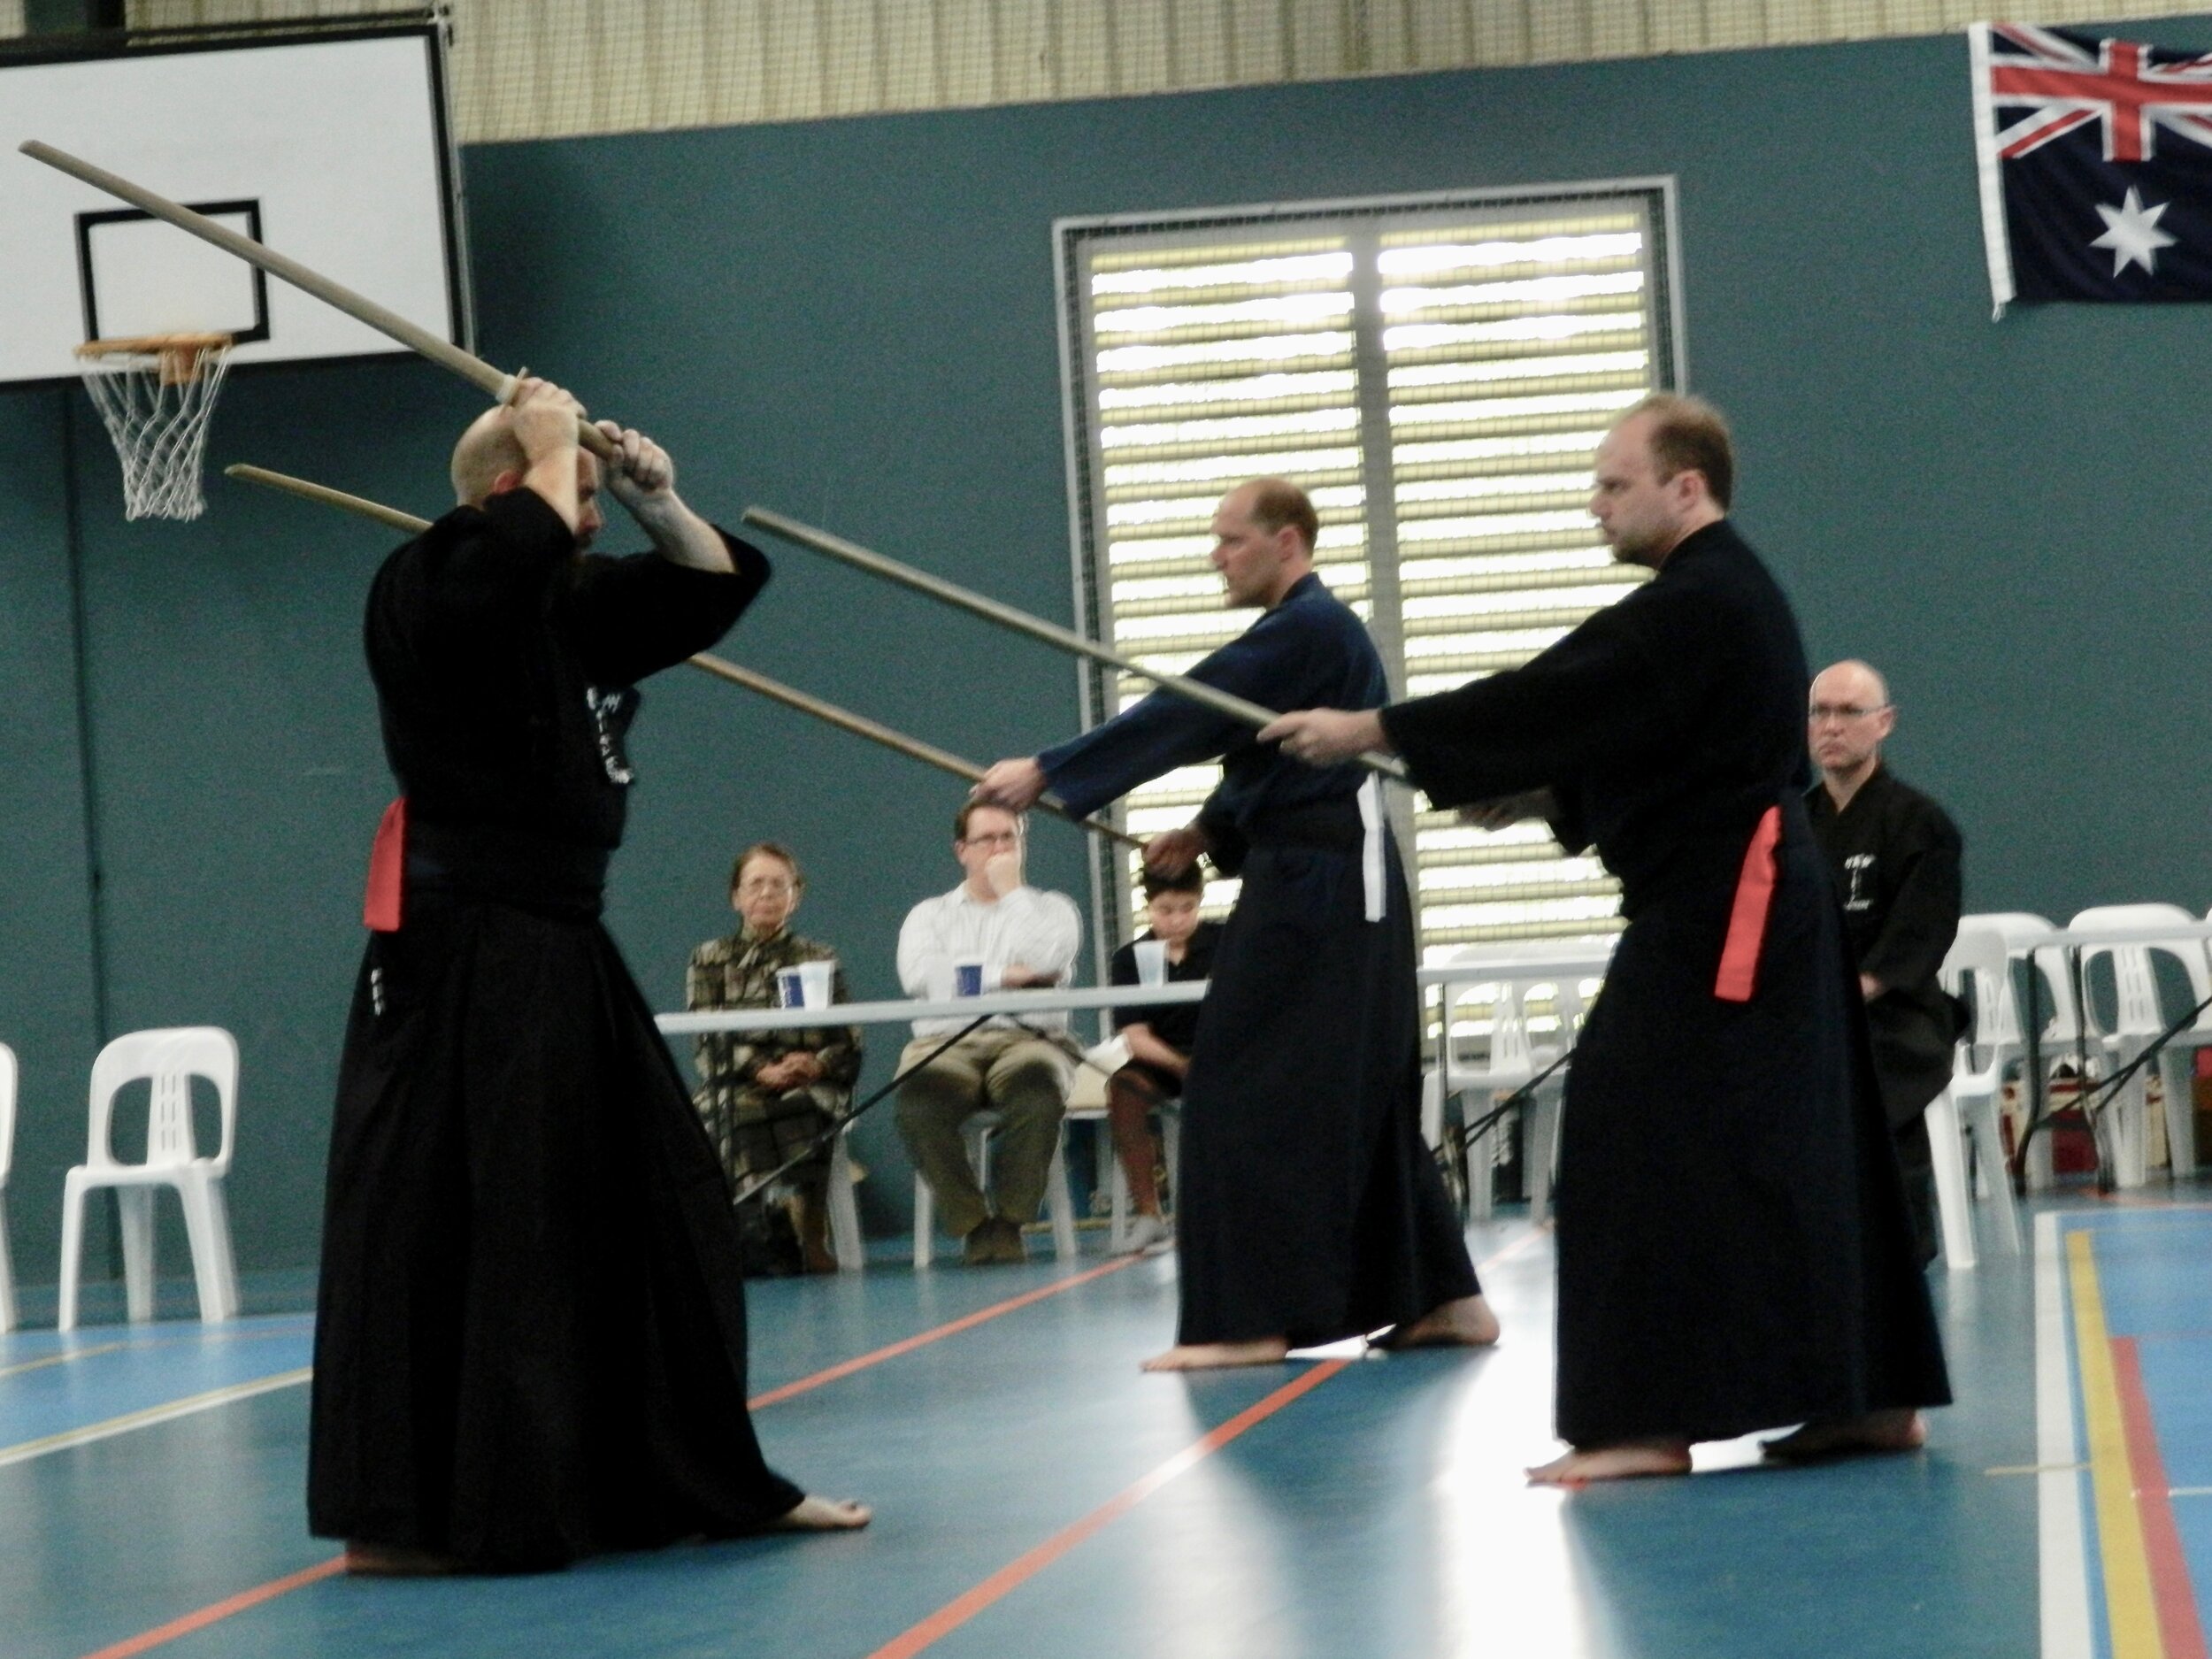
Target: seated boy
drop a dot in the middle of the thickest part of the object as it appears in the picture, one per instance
(1159, 1040)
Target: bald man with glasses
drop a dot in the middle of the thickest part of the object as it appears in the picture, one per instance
(1895, 854)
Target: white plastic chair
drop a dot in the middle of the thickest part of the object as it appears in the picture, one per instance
(1058, 1205)
(1978, 962)
(844, 1208)
(7, 1155)
(2139, 1017)
(168, 1060)
(2027, 939)
(1508, 978)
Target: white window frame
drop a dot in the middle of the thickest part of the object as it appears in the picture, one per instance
(1085, 461)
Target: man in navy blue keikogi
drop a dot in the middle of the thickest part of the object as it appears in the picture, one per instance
(1311, 1210)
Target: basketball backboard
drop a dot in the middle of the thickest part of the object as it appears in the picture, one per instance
(334, 151)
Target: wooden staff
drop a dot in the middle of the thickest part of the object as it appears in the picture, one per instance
(416, 338)
(860, 726)
(1036, 627)
(721, 668)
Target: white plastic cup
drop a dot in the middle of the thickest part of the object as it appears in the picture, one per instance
(818, 984)
(967, 978)
(1151, 961)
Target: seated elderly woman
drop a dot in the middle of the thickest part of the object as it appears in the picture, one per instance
(766, 1096)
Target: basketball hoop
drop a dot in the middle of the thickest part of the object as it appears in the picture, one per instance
(155, 395)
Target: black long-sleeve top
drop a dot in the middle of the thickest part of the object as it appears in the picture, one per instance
(1672, 718)
(505, 664)
(1895, 857)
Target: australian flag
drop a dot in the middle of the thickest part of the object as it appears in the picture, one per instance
(2096, 166)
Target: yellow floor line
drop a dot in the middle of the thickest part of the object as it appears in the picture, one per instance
(2130, 1610)
(23, 1451)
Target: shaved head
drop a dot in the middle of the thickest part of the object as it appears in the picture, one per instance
(489, 460)
(1853, 682)
(1846, 724)
(486, 450)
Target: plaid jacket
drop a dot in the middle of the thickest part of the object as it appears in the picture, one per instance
(740, 972)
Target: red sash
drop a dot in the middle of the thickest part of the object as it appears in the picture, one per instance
(1748, 919)
(387, 864)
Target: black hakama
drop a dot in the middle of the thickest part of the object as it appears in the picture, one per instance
(530, 1340)
(1309, 1207)
(1732, 1243)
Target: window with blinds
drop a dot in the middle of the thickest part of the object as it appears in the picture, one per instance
(1436, 374)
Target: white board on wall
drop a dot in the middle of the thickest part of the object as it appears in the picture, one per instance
(334, 151)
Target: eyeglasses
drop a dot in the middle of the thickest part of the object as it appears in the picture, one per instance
(1821, 711)
(766, 883)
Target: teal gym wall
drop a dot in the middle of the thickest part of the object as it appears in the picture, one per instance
(853, 321)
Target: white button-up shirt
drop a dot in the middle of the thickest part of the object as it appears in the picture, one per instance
(1037, 930)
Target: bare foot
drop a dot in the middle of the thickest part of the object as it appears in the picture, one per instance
(397, 1560)
(1624, 1460)
(1268, 1350)
(1892, 1430)
(823, 1515)
(1465, 1323)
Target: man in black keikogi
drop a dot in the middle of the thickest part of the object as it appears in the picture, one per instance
(1732, 1244)
(1310, 1209)
(530, 1333)
(1895, 854)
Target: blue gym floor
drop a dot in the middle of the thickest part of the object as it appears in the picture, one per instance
(1036, 1495)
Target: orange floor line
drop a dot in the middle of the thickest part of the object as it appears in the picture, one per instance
(964, 1607)
(1019, 1571)
(966, 1322)
(217, 1611)
(220, 1610)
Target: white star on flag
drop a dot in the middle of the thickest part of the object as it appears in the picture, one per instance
(2131, 232)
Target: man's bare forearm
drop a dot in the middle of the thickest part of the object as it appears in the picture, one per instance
(682, 537)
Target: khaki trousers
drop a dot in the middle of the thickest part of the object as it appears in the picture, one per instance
(1024, 1079)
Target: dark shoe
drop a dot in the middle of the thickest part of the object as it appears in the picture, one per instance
(980, 1248)
(995, 1242)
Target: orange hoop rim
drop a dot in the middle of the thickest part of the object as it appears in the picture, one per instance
(178, 357)
(153, 345)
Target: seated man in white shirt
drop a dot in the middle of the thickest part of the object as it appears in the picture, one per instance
(1022, 938)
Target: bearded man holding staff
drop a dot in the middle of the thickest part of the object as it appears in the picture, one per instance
(1310, 1211)
(530, 1333)
(1733, 1248)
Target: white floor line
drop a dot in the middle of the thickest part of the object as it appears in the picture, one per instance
(23, 1451)
(2062, 1559)
(66, 1356)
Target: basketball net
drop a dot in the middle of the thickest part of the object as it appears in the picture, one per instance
(155, 395)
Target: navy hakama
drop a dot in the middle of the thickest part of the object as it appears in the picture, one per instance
(1309, 1207)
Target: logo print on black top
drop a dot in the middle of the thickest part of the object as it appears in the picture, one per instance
(610, 712)
(1858, 864)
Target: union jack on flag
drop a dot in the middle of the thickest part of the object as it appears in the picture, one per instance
(2096, 165)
